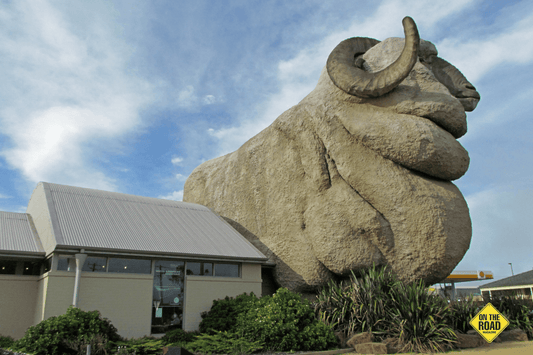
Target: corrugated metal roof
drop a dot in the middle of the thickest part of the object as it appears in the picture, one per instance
(109, 220)
(523, 279)
(18, 235)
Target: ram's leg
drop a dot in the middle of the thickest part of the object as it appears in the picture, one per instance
(346, 232)
(429, 218)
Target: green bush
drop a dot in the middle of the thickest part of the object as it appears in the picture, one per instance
(223, 343)
(377, 302)
(140, 346)
(359, 304)
(284, 322)
(6, 342)
(419, 319)
(98, 345)
(223, 314)
(517, 312)
(461, 313)
(179, 336)
(53, 335)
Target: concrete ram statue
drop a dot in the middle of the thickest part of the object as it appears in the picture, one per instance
(358, 173)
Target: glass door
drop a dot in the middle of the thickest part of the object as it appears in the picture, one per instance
(168, 294)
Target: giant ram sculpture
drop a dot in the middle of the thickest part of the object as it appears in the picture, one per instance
(358, 172)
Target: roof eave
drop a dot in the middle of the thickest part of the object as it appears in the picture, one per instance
(22, 254)
(155, 254)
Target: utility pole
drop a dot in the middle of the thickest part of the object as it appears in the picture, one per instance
(512, 272)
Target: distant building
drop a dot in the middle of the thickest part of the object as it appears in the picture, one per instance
(147, 264)
(520, 285)
(463, 293)
(448, 289)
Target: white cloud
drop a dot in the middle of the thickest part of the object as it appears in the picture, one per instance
(477, 57)
(209, 100)
(176, 160)
(187, 98)
(4, 196)
(67, 88)
(175, 196)
(181, 177)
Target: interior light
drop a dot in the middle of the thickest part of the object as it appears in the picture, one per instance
(125, 267)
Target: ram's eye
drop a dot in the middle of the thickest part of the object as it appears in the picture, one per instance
(426, 59)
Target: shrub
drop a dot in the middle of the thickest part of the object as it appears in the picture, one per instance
(52, 335)
(418, 319)
(461, 313)
(6, 342)
(517, 312)
(378, 302)
(223, 343)
(9, 352)
(79, 346)
(179, 336)
(285, 322)
(223, 314)
(140, 346)
(358, 304)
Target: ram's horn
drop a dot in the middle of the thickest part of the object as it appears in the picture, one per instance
(355, 81)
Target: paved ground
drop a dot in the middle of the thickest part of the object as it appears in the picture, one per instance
(507, 348)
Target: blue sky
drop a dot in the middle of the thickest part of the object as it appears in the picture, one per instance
(132, 96)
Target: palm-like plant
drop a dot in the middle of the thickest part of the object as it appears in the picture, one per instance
(418, 319)
(461, 313)
(358, 304)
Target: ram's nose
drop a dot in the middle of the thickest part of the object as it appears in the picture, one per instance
(469, 97)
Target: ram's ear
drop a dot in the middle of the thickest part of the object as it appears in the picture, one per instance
(355, 81)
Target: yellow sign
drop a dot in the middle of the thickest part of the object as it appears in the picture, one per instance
(489, 322)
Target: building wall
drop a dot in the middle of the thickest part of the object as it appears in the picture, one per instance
(522, 291)
(201, 291)
(38, 209)
(57, 293)
(40, 301)
(17, 304)
(125, 299)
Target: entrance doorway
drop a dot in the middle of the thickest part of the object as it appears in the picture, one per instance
(168, 296)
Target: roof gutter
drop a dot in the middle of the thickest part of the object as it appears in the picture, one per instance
(164, 256)
(19, 254)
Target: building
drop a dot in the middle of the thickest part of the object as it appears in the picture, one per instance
(449, 290)
(147, 264)
(520, 285)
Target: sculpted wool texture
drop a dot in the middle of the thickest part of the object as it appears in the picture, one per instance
(359, 172)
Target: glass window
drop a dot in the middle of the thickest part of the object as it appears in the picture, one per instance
(168, 283)
(227, 270)
(47, 265)
(94, 264)
(8, 267)
(32, 268)
(168, 295)
(66, 264)
(131, 266)
(205, 269)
